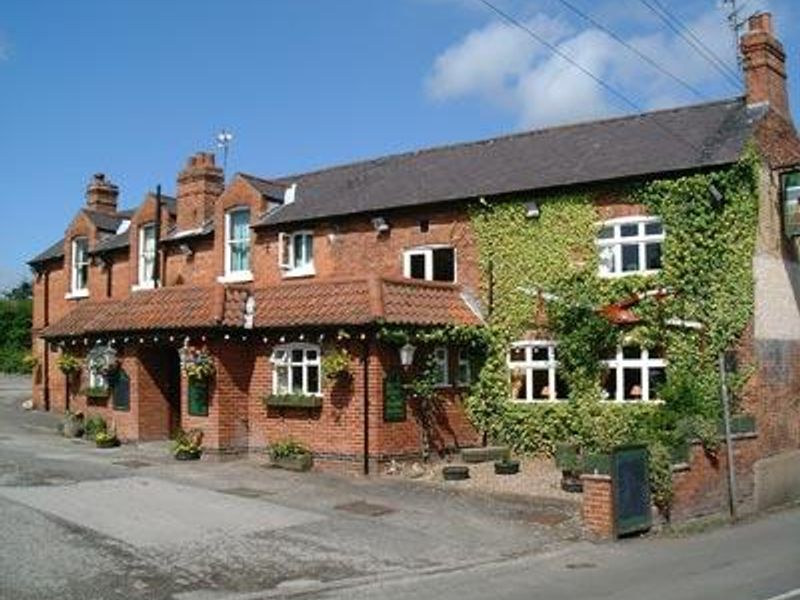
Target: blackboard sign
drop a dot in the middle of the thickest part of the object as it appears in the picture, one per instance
(121, 390)
(198, 398)
(631, 483)
(394, 400)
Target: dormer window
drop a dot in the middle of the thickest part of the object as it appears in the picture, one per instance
(237, 245)
(79, 282)
(147, 255)
(630, 246)
(296, 253)
(431, 263)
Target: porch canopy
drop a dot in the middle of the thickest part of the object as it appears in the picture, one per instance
(335, 302)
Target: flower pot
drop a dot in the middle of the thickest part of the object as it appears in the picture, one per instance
(296, 462)
(112, 443)
(506, 467)
(188, 454)
(455, 473)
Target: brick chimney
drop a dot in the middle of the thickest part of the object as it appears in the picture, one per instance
(199, 185)
(764, 65)
(101, 194)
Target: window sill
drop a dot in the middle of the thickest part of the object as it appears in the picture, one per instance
(77, 295)
(147, 285)
(649, 273)
(631, 401)
(239, 277)
(539, 401)
(297, 273)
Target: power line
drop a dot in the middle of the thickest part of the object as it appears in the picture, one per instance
(633, 49)
(690, 38)
(608, 87)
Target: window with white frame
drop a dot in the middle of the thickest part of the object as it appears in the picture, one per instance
(534, 372)
(441, 365)
(296, 369)
(296, 253)
(147, 255)
(431, 263)
(80, 266)
(630, 245)
(237, 242)
(634, 373)
(464, 368)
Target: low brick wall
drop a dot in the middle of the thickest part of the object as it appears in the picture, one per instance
(701, 485)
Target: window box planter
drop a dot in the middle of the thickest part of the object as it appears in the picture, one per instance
(296, 462)
(506, 467)
(292, 401)
(96, 393)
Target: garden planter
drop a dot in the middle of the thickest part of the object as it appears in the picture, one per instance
(292, 401)
(455, 473)
(485, 454)
(506, 467)
(112, 443)
(296, 462)
(188, 454)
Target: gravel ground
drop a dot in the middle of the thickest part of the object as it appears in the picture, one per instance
(538, 477)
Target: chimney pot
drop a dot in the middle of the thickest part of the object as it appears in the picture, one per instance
(101, 194)
(760, 22)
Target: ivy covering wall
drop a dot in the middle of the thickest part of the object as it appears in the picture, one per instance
(707, 270)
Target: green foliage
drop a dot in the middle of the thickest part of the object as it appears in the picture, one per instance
(548, 267)
(188, 442)
(22, 291)
(69, 364)
(15, 335)
(103, 437)
(661, 476)
(94, 425)
(287, 449)
(198, 364)
(336, 364)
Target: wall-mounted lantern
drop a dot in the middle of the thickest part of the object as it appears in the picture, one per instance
(407, 355)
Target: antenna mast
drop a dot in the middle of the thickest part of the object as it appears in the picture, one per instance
(224, 139)
(736, 23)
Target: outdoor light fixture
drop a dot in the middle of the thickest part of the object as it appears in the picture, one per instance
(407, 354)
(719, 199)
(380, 225)
(185, 249)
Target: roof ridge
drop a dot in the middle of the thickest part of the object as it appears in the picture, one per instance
(502, 137)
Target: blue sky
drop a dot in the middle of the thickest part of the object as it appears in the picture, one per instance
(131, 88)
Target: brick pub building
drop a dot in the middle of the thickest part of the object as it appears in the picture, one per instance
(269, 275)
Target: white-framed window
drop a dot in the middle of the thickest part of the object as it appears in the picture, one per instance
(634, 374)
(463, 368)
(533, 366)
(296, 369)
(431, 263)
(79, 282)
(296, 253)
(237, 243)
(147, 255)
(630, 245)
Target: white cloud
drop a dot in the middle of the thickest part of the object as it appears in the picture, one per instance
(501, 64)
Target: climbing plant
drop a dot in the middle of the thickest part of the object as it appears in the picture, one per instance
(541, 275)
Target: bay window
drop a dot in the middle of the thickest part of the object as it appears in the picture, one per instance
(631, 245)
(296, 369)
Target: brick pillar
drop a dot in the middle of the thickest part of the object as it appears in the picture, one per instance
(598, 506)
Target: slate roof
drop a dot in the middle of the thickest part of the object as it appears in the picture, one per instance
(270, 189)
(104, 221)
(289, 304)
(53, 252)
(704, 135)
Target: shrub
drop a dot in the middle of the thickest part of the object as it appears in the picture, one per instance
(94, 425)
(287, 448)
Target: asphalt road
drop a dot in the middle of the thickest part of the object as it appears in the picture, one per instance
(81, 523)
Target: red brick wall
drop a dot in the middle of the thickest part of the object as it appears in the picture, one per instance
(597, 509)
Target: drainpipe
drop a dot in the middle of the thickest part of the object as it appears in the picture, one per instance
(46, 361)
(365, 363)
(157, 237)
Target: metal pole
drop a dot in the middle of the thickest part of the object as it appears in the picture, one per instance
(156, 239)
(726, 413)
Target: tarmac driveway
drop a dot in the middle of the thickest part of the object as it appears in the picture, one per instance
(78, 522)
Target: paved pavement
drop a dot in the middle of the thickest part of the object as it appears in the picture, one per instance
(78, 522)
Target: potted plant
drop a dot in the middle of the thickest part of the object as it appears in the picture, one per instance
(188, 445)
(336, 365)
(197, 364)
(106, 439)
(93, 425)
(291, 455)
(72, 425)
(69, 364)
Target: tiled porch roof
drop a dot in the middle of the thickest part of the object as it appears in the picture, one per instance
(290, 304)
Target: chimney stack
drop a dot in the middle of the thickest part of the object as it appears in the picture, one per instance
(101, 194)
(764, 65)
(199, 185)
